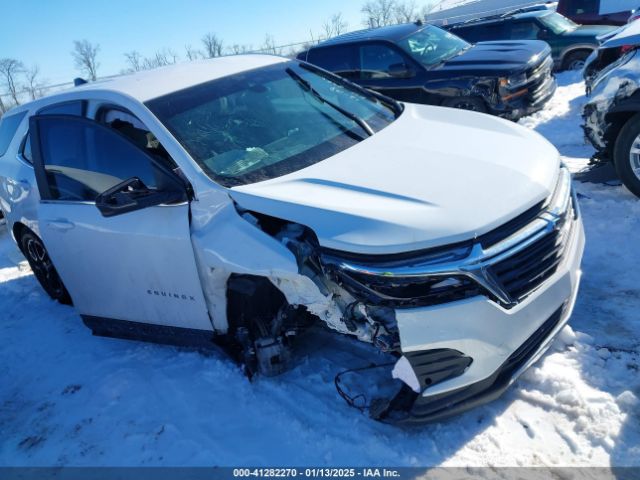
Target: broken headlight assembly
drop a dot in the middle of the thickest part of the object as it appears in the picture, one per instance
(514, 81)
(400, 281)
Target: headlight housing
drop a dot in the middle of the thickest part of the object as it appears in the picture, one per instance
(514, 81)
(391, 282)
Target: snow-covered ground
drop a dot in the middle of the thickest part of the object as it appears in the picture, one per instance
(67, 398)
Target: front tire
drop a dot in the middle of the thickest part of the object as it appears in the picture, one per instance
(575, 60)
(626, 155)
(473, 104)
(42, 267)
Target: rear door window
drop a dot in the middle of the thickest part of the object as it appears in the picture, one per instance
(8, 127)
(481, 33)
(76, 107)
(341, 59)
(523, 30)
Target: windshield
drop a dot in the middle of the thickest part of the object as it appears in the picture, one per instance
(268, 122)
(558, 24)
(432, 45)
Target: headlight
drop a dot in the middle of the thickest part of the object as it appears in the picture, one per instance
(514, 81)
(404, 282)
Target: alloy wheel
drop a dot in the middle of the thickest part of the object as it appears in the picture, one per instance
(43, 268)
(634, 157)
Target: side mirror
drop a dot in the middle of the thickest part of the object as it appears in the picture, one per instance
(400, 70)
(132, 194)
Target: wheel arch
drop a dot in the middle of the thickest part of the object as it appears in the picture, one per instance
(586, 47)
(17, 230)
(618, 117)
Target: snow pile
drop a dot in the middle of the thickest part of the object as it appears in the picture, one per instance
(67, 398)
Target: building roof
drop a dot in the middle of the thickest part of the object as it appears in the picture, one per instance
(501, 18)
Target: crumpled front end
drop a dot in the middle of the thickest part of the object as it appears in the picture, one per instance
(472, 317)
(458, 322)
(613, 86)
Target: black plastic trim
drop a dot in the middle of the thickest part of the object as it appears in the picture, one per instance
(147, 332)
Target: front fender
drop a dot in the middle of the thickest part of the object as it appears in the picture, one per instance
(483, 87)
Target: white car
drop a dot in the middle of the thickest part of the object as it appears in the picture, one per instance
(237, 200)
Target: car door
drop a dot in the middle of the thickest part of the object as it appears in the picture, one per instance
(136, 267)
(384, 68)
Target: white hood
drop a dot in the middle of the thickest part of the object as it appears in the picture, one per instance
(435, 176)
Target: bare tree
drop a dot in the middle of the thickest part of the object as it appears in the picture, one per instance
(335, 25)
(213, 46)
(85, 57)
(269, 45)
(378, 13)
(427, 9)
(406, 12)
(33, 84)
(163, 57)
(10, 68)
(192, 53)
(237, 49)
(134, 61)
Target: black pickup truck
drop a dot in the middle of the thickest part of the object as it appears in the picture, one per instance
(424, 64)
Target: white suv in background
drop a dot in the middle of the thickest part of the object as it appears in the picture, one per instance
(238, 200)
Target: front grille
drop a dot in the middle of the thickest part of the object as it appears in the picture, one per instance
(542, 70)
(542, 90)
(505, 231)
(524, 272)
(541, 81)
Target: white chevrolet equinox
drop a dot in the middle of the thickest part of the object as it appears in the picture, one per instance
(237, 201)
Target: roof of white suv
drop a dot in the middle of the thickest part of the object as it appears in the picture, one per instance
(155, 83)
(150, 84)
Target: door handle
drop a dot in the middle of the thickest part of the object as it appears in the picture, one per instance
(60, 225)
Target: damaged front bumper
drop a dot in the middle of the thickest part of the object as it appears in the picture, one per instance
(595, 127)
(608, 92)
(502, 344)
(461, 353)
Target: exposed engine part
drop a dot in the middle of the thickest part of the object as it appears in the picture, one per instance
(262, 324)
(374, 324)
(272, 355)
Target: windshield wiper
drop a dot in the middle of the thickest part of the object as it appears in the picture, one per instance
(391, 103)
(352, 116)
